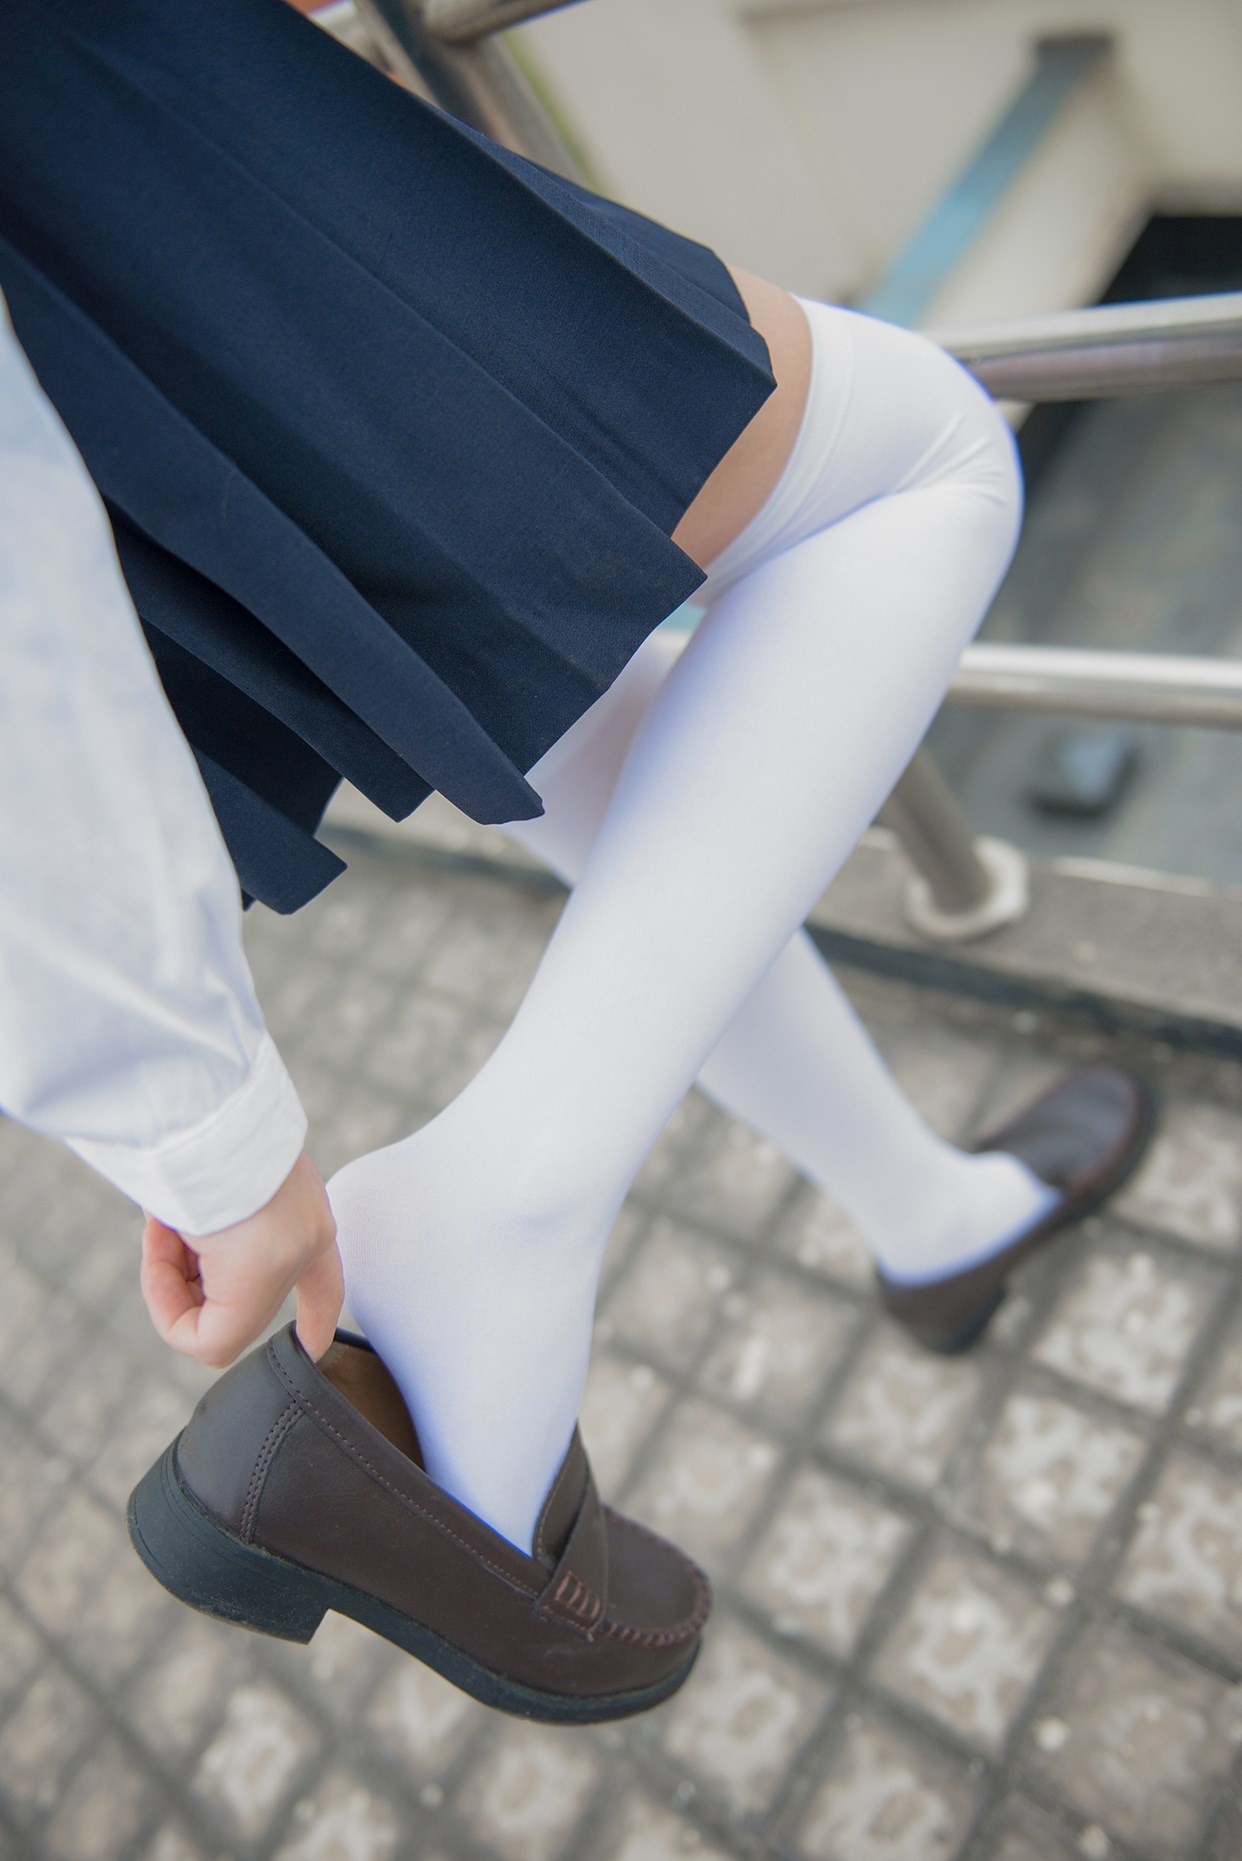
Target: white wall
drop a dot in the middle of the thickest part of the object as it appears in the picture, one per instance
(806, 138)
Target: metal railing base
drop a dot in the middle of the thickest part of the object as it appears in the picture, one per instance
(1007, 899)
(962, 887)
(1154, 953)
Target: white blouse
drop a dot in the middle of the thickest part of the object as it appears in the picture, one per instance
(129, 1025)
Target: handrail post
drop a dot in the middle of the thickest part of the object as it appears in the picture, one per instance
(463, 22)
(477, 80)
(962, 886)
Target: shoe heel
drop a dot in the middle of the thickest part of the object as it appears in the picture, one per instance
(952, 1343)
(202, 1563)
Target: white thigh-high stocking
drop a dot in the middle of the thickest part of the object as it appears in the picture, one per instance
(795, 1062)
(472, 1249)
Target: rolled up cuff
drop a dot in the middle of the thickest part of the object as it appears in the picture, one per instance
(224, 1168)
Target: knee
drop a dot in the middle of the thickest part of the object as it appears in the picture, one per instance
(942, 428)
(1001, 462)
(984, 453)
(998, 474)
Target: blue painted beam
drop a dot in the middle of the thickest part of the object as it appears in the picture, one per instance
(955, 223)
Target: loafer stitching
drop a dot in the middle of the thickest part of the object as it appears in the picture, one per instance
(680, 1631)
(275, 1435)
(405, 1499)
(574, 1603)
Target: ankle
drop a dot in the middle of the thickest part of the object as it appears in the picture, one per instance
(444, 1191)
(990, 1200)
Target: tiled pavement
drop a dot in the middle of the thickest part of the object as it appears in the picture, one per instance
(988, 1608)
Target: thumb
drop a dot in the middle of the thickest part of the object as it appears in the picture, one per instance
(321, 1294)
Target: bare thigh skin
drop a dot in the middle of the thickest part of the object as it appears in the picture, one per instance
(740, 484)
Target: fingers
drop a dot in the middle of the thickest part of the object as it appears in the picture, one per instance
(206, 1329)
(321, 1293)
(169, 1278)
(212, 1296)
(217, 1334)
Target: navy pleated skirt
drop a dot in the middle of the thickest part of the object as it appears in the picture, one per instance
(393, 426)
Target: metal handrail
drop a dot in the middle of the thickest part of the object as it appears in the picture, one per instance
(464, 22)
(1107, 350)
(1137, 688)
(448, 51)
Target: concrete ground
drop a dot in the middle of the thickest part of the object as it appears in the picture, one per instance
(988, 1608)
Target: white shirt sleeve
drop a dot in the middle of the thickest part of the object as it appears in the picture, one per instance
(128, 1020)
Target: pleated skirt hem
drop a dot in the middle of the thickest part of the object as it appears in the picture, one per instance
(393, 425)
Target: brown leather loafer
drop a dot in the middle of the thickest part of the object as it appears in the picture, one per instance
(1083, 1136)
(296, 1488)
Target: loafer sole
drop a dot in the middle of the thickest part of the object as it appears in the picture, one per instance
(204, 1564)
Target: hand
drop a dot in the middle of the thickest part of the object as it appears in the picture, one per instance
(212, 1295)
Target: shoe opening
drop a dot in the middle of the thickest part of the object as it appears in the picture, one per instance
(354, 1370)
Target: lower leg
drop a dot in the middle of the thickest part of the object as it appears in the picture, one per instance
(758, 763)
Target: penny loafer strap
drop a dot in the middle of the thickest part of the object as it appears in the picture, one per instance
(577, 1590)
